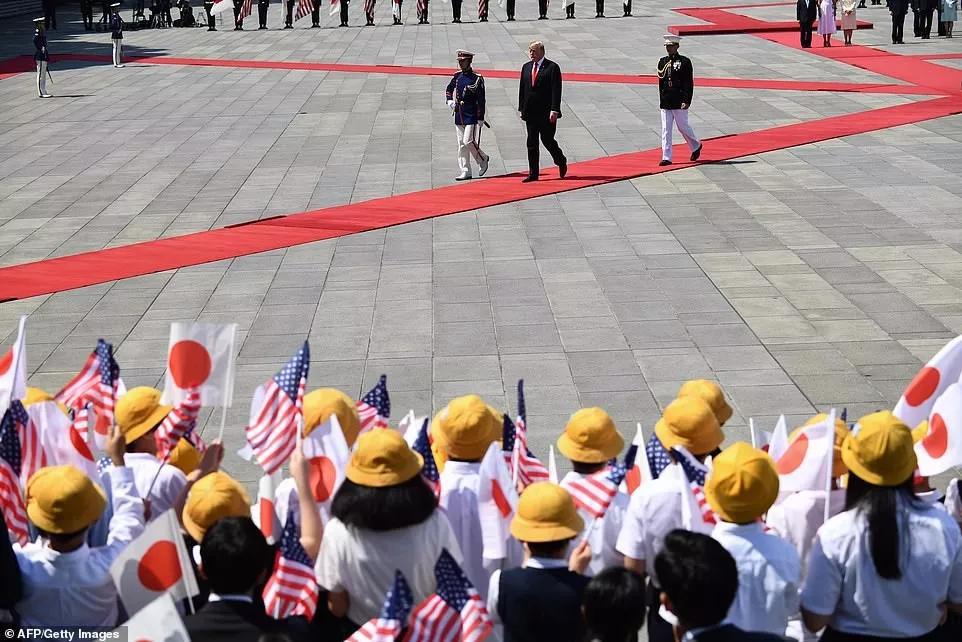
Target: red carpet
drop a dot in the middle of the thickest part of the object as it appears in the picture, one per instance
(25, 63)
(64, 273)
(762, 27)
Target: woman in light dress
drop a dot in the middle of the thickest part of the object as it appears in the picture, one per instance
(848, 20)
(950, 11)
(826, 21)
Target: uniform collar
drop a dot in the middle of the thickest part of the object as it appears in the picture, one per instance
(462, 467)
(546, 563)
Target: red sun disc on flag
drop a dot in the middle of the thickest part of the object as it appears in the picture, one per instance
(6, 361)
(794, 456)
(633, 479)
(159, 568)
(925, 383)
(936, 442)
(499, 499)
(189, 363)
(101, 424)
(323, 476)
(79, 444)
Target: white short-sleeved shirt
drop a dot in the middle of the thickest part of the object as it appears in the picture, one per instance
(76, 588)
(459, 500)
(769, 575)
(166, 490)
(603, 538)
(362, 562)
(953, 500)
(653, 512)
(842, 581)
(798, 517)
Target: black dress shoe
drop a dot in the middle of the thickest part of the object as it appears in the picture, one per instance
(695, 154)
(530, 178)
(563, 169)
(288, 26)
(664, 162)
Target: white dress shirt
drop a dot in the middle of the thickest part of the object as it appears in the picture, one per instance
(769, 575)
(842, 581)
(653, 512)
(362, 562)
(168, 487)
(603, 537)
(75, 588)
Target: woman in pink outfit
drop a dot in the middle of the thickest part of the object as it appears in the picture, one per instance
(848, 20)
(826, 21)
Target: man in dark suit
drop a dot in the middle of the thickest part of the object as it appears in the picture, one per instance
(698, 580)
(898, 8)
(235, 561)
(806, 11)
(539, 106)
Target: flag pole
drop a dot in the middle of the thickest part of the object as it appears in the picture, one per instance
(16, 357)
(227, 386)
(751, 429)
(831, 459)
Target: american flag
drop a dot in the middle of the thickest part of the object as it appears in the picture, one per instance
(695, 473)
(394, 615)
(658, 456)
(180, 422)
(245, 10)
(96, 384)
(32, 455)
(521, 462)
(11, 497)
(455, 613)
(304, 7)
(422, 446)
(594, 493)
(374, 408)
(291, 589)
(277, 409)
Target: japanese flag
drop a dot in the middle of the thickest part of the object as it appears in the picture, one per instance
(410, 427)
(220, 6)
(941, 448)
(327, 453)
(807, 461)
(264, 512)
(13, 370)
(939, 373)
(62, 441)
(640, 472)
(778, 442)
(200, 355)
(156, 622)
(497, 501)
(153, 564)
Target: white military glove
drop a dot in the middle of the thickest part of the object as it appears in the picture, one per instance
(451, 104)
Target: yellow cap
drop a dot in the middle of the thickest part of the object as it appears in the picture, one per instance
(382, 458)
(466, 427)
(546, 513)
(711, 393)
(742, 484)
(689, 422)
(590, 437)
(63, 500)
(184, 456)
(320, 404)
(881, 451)
(841, 432)
(212, 498)
(138, 412)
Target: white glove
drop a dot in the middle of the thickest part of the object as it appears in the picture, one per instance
(451, 104)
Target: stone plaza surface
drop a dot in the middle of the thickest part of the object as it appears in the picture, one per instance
(801, 279)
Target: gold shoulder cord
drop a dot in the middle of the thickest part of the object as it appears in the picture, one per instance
(662, 70)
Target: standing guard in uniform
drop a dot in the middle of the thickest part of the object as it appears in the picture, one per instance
(542, 9)
(40, 56)
(87, 13)
(626, 5)
(262, 7)
(482, 10)
(569, 10)
(396, 12)
(676, 86)
(344, 5)
(369, 12)
(289, 13)
(898, 9)
(166, 20)
(509, 9)
(208, 5)
(599, 8)
(117, 34)
(456, 11)
(465, 97)
(238, 21)
(316, 15)
(423, 12)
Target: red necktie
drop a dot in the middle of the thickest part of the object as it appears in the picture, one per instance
(534, 73)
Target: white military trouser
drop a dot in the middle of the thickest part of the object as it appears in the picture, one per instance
(468, 147)
(41, 78)
(677, 117)
(118, 51)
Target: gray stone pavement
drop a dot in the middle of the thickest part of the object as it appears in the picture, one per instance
(801, 279)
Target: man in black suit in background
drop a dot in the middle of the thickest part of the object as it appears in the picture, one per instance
(898, 8)
(539, 106)
(806, 11)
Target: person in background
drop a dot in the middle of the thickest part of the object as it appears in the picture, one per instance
(541, 601)
(614, 606)
(385, 519)
(927, 9)
(263, 6)
(570, 11)
(699, 581)
(208, 6)
(806, 11)
(826, 21)
(11, 589)
(849, 20)
(950, 13)
(890, 565)
(87, 14)
(898, 9)
(64, 580)
(117, 35)
(741, 487)
(41, 57)
(50, 14)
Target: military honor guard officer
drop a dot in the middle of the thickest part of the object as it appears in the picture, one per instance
(238, 21)
(465, 97)
(289, 13)
(675, 86)
(316, 15)
(208, 6)
(117, 34)
(262, 7)
(40, 56)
